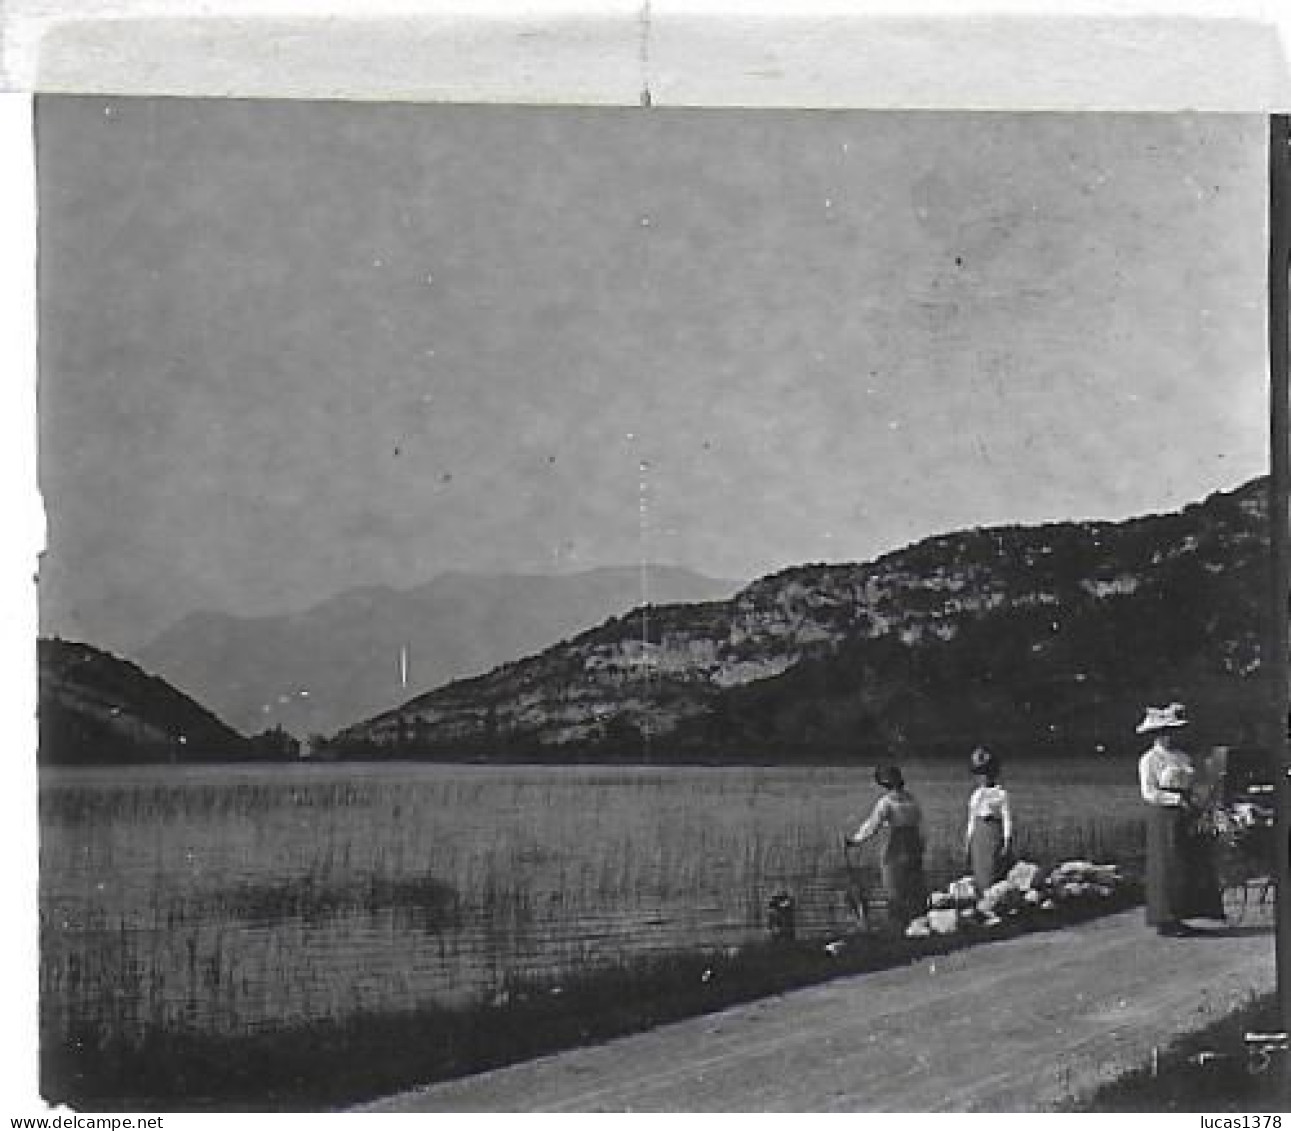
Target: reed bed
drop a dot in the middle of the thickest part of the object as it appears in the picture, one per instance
(223, 901)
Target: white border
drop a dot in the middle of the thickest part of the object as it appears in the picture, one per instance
(23, 540)
(933, 54)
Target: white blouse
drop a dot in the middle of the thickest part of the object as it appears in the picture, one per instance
(991, 802)
(1165, 775)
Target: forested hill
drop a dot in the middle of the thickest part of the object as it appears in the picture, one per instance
(96, 708)
(1043, 639)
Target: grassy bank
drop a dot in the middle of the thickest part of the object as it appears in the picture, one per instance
(337, 1062)
(1209, 1071)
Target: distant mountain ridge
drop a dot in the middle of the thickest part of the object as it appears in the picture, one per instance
(1040, 637)
(348, 657)
(96, 708)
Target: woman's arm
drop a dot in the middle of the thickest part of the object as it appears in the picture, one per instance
(1006, 815)
(875, 821)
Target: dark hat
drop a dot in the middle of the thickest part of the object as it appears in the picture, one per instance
(982, 761)
(889, 777)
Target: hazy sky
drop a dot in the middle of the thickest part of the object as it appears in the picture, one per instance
(291, 348)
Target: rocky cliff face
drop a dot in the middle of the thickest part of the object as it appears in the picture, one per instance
(988, 626)
(348, 657)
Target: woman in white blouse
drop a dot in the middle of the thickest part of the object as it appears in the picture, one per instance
(1180, 876)
(988, 840)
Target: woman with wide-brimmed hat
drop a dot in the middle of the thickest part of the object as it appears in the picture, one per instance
(1180, 877)
(902, 863)
(988, 840)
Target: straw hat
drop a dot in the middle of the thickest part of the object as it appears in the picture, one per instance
(1163, 718)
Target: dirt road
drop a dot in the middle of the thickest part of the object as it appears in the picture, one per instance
(1009, 1026)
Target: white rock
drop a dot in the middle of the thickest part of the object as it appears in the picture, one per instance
(1024, 875)
(943, 921)
(964, 889)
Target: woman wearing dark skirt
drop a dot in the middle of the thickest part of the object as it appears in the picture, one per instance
(988, 839)
(1181, 882)
(902, 863)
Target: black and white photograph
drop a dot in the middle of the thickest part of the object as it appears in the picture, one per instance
(654, 609)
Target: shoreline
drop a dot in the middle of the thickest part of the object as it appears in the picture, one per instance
(340, 1063)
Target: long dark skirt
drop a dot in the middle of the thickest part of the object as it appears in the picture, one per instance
(903, 878)
(1181, 880)
(986, 853)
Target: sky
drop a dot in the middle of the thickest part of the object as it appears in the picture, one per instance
(292, 348)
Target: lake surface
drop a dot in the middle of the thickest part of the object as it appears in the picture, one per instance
(229, 898)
